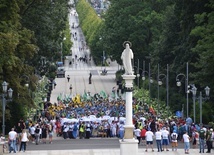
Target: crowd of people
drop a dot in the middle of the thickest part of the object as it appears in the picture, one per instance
(174, 132)
(41, 131)
(148, 132)
(103, 118)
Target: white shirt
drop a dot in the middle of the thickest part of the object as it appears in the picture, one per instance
(165, 134)
(158, 135)
(32, 130)
(66, 128)
(40, 131)
(186, 137)
(12, 135)
(88, 127)
(137, 132)
(24, 137)
(113, 126)
(121, 127)
(149, 136)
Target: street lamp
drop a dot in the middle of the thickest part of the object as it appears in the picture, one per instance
(26, 79)
(138, 73)
(201, 99)
(4, 101)
(178, 83)
(62, 48)
(160, 82)
(144, 78)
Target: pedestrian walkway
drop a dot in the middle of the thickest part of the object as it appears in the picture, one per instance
(105, 152)
(79, 71)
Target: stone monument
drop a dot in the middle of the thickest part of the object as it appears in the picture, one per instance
(128, 145)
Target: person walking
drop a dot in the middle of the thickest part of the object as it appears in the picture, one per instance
(195, 138)
(44, 133)
(12, 136)
(137, 134)
(202, 135)
(90, 76)
(70, 88)
(37, 134)
(24, 140)
(158, 137)
(68, 78)
(32, 133)
(50, 133)
(186, 140)
(143, 137)
(149, 140)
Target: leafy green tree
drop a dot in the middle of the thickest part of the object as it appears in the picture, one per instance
(204, 48)
(50, 19)
(17, 47)
(91, 25)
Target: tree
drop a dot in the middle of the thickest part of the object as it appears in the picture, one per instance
(17, 46)
(50, 19)
(204, 48)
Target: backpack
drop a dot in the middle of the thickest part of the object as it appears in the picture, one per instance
(174, 137)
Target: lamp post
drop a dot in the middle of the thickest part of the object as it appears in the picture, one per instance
(4, 101)
(62, 48)
(149, 75)
(186, 86)
(104, 54)
(138, 75)
(104, 59)
(160, 79)
(201, 99)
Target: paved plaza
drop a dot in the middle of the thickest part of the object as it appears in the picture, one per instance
(104, 152)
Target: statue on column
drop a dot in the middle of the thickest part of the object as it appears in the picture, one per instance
(127, 57)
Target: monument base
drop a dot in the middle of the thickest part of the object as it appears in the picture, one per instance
(128, 146)
(129, 132)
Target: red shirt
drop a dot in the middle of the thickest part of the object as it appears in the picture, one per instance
(143, 132)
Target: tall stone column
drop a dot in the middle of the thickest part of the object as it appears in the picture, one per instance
(129, 145)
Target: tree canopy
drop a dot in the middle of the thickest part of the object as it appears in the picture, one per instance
(161, 32)
(31, 34)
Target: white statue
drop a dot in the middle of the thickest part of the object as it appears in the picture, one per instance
(126, 57)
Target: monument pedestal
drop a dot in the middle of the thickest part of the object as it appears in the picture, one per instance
(128, 131)
(128, 147)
